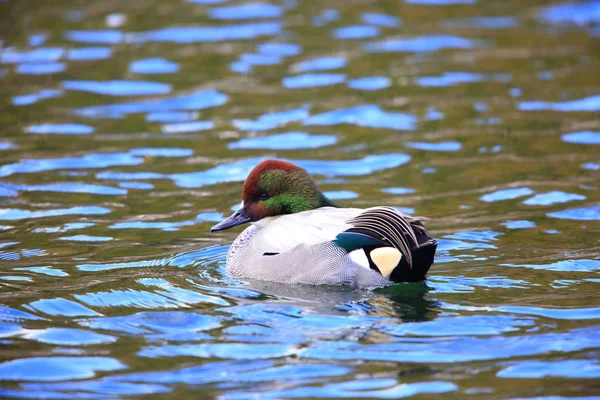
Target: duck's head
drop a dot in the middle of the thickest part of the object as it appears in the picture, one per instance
(275, 188)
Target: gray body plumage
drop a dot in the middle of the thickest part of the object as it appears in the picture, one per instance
(299, 248)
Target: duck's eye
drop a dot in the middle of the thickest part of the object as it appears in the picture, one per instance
(264, 196)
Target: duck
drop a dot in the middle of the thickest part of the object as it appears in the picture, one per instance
(298, 236)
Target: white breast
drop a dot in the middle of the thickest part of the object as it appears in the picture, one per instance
(308, 227)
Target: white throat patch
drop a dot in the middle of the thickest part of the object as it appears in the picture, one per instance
(261, 223)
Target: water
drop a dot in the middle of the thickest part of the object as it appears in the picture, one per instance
(127, 129)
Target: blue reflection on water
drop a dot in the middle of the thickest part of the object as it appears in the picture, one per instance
(591, 213)
(57, 368)
(483, 325)
(591, 103)
(341, 195)
(40, 69)
(454, 349)
(441, 146)
(482, 23)
(246, 11)
(476, 236)
(136, 185)
(583, 137)
(285, 141)
(454, 78)
(63, 307)
(32, 98)
(16, 214)
(519, 224)
(279, 49)
(16, 278)
(248, 60)
(119, 87)
(582, 14)
(547, 312)
(422, 44)
(61, 129)
(165, 226)
(380, 19)
(362, 388)
(194, 101)
(170, 297)
(272, 120)
(589, 165)
(65, 228)
(312, 80)
(370, 83)
(356, 32)
(193, 34)
(44, 271)
(237, 171)
(86, 238)
(72, 187)
(153, 66)
(70, 337)
(39, 55)
(86, 161)
(98, 389)
(553, 197)
(235, 351)
(565, 265)
(95, 37)
(433, 114)
(233, 373)
(399, 190)
(37, 39)
(89, 53)
(326, 16)
(440, 2)
(190, 126)
(161, 152)
(10, 314)
(207, 1)
(321, 63)
(506, 194)
(585, 369)
(166, 322)
(368, 115)
(171, 116)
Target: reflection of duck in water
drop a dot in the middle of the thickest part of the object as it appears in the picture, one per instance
(405, 302)
(298, 236)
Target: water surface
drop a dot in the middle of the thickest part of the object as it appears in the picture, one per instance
(127, 128)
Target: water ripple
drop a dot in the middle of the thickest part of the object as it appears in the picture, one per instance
(586, 369)
(566, 265)
(421, 44)
(236, 351)
(285, 141)
(456, 349)
(194, 34)
(578, 214)
(118, 87)
(588, 104)
(368, 115)
(195, 101)
(246, 11)
(57, 368)
(17, 214)
(312, 80)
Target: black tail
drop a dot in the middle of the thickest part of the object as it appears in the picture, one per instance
(391, 228)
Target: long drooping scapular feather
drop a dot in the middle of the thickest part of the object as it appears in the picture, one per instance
(391, 226)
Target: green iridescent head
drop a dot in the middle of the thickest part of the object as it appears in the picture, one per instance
(275, 188)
